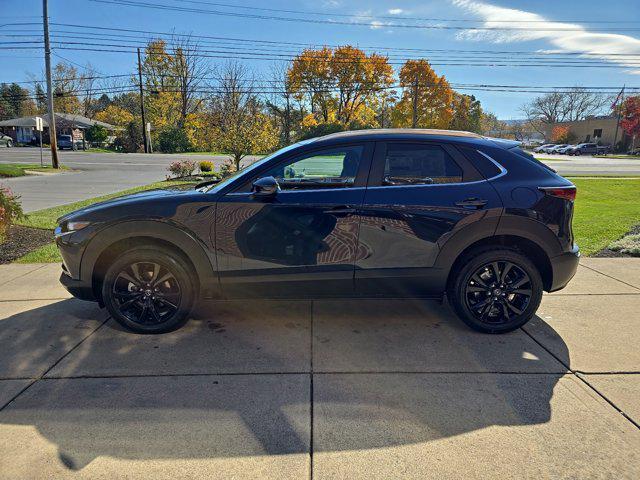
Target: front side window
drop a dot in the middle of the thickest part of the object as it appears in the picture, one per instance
(331, 168)
(415, 164)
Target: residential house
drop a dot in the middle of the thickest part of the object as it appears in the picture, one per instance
(23, 130)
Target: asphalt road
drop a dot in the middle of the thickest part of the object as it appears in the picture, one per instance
(94, 174)
(102, 173)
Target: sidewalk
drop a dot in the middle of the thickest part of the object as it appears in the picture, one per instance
(323, 389)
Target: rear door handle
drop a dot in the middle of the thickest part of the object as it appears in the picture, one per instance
(472, 203)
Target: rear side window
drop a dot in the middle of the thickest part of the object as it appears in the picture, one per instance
(419, 164)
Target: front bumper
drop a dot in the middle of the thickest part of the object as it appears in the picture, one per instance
(564, 267)
(77, 288)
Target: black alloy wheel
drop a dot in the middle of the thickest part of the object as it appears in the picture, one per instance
(149, 291)
(496, 290)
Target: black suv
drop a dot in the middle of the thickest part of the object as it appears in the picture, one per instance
(394, 213)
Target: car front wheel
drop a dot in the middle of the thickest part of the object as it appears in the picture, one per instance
(9, 144)
(496, 291)
(149, 290)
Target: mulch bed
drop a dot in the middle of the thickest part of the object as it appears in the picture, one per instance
(606, 253)
(22, 240)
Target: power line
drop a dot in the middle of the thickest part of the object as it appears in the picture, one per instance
(310, 45)
(140, 4)
(391, 17)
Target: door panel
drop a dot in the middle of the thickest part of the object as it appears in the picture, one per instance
(403, 228)
(303, 241)
(284, 247)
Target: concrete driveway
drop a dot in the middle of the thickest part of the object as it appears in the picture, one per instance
(322, 389)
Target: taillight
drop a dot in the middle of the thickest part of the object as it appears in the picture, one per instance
(566, 193)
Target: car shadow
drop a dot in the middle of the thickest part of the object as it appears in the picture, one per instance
(249, 413)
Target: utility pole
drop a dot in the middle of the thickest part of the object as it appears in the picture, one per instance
(144, 123)
(621, 98)
(414, 121)
(47, 65)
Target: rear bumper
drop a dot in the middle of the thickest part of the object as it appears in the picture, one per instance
(564, 267)
(77, 288)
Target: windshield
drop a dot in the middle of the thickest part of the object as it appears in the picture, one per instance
(227, 181)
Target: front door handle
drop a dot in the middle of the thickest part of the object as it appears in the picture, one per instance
(472, 203)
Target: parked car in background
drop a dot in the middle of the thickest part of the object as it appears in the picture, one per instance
(603, 150)
(564, 150)
(394, 212)
(583, 149)
(555, 148)
(6, 140)
(542, 148)
(65, 141)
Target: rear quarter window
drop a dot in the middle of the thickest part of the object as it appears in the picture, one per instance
(485, 166)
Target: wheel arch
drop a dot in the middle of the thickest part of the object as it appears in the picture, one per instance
(119, 238)
(527, 247)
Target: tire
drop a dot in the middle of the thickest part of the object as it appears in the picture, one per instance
(9, 144)
(475, 288)
(577, 152)
(139, 305)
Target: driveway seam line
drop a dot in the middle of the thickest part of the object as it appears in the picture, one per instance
(579, 377)
(238, 374)
(614, 278)
(54, 364)
(620, 411)
(32, 299)
(24, 274)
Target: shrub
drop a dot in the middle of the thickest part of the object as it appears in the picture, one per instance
(10, 210)
(173, 140)
(97, 134)
(182, 168)
(629, 244)
(206, 166)
(227, 168)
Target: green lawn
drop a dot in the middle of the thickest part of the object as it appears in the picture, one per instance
(47, 218)
(100, 150)
(18, 169)
(553, 159)
(605, 210)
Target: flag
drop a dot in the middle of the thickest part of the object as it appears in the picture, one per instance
(615, 103)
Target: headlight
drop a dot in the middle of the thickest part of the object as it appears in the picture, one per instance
(74, 226)
(68, 227)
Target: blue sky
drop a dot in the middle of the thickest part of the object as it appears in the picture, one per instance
(581, 16)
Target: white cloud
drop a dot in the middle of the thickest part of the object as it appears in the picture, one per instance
(565, 37)
(375, 25)
(395, 11)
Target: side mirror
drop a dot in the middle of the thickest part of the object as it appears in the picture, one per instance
(265, 188)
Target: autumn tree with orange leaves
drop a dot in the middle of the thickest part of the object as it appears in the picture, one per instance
(339, 84)
(426, 93)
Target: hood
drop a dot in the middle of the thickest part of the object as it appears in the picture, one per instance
(147, 195)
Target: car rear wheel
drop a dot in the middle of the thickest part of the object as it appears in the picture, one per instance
(9, 144)
(149, 290)
(496, 291)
